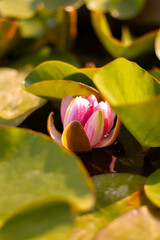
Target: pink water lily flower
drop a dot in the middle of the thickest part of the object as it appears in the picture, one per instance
(86, 124)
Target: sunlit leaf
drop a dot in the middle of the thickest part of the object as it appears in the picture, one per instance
(87, 226)
(128, 49)
(56, 70)
(57, 89)
(33, 168)
(136, 224)
(122, 9)
(152, 187)
(15, 103)
(26, 9)
(135, 97)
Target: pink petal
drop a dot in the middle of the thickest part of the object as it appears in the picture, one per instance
(94, 127)
(79, 109)
(64, 105)
(106, 109)
(93, 100)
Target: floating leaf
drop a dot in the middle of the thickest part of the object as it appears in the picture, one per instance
(128, 49)
(152, 187)
(56, 70)
(116, 194)
(87, 226)
(57, 89)
(113, 187)
(26, 9)
(44, 54)
(49, 220)
(135, 96)
(15, 103)
(122, 9)
(33, 168)
(136, 224)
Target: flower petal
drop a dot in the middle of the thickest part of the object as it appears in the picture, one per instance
(55, 135)
(93, 100)
(78, 110)
(64, 105)
(75, 138)
(94, 127)
(106, 109)
(111, 137)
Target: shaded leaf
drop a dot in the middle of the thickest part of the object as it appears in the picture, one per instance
(136, 103)
(8, 35)
(49, 220)
(15, 103)
(128, 49)
(113, 187)
(44, 54)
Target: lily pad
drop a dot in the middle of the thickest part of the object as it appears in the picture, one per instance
(87, 226)
(57, 89)
(130, 48)
(26, 9)
(57, 70)
(34, 169)
(15, 103)
(136, 224)
(49, 220)
(114, 187)
(44, 54)
(122, 9)
(152, 187)
(134, 102)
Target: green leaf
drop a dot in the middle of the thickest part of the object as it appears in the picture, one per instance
(49, 220)
(136, 224)
(135, 97)
(129, 49)
(111, 188)
(116, 194)
(152, 187)
(121, 9)
(55, 90)
(56, 70)
(8, 35)
(15, 103)
(87, 226)
(26, 9)
(44, 54)
(33, 168)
